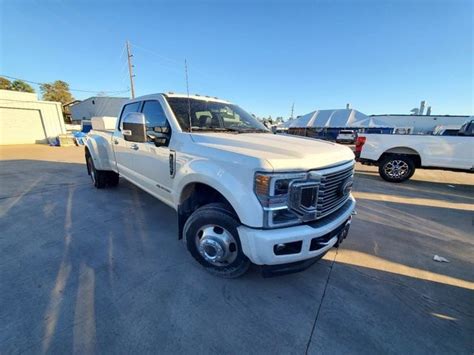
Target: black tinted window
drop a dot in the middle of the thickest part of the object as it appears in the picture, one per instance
(154, 114)
(133, 107)
(212, 115)
(467, 129)
(470, 129)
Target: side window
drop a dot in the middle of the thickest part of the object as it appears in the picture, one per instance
(133, 107)
(470, 129)
(154, 115)
(467, 129)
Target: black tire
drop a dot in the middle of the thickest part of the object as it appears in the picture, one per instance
(98, 177)
(396, 168)
(220, 216)
(112, 179)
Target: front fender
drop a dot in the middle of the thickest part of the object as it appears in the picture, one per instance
(235, 184)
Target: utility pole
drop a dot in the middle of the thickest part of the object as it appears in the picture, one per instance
(130, 70)
(292, 110)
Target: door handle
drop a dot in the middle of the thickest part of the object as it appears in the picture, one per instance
(116, 141)
(134, 146)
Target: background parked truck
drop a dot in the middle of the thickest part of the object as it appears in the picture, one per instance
(398, 156)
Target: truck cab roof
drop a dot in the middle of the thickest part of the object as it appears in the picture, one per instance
(178, 95)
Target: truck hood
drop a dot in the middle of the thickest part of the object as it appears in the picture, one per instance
(282, 152)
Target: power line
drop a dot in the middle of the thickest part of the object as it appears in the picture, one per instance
(70, 89)
(174, 61)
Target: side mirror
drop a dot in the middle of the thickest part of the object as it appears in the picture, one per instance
(134, 127)
(160, 139)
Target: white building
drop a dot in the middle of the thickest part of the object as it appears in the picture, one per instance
(26, 120)
(97, 106)
(419, 124)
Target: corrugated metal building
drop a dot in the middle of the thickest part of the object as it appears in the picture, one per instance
(97, 106)
(26, 120)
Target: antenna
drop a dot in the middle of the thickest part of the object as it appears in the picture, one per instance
(130, 70)
(187, 90)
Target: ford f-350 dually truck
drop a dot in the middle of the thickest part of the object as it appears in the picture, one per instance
(242, 194)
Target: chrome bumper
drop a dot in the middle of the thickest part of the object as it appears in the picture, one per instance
(259, 244)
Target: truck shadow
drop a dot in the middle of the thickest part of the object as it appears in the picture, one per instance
(367, 181)
(86, 270)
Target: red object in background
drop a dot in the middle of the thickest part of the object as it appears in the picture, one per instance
(359, 143)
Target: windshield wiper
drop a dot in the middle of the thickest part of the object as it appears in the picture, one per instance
(253, 130)
(215, 129)
(229, 129)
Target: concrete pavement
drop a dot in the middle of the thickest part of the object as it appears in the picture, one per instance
(86, 270)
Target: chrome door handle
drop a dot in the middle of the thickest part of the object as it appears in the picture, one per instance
(134, 146)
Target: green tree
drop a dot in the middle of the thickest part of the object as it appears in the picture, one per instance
(20, 85)
(5, 84)
(57, 91)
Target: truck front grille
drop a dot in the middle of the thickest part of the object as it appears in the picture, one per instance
(324, 192)
(334, 189)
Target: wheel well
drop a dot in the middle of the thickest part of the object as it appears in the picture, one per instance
(412, 153)
(195, 195)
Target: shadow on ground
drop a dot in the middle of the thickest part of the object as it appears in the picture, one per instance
(88, 270)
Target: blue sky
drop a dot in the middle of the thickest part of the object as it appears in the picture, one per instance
(381, 56)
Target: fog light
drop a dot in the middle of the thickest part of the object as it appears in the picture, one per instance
(279, 247)
(288, 248)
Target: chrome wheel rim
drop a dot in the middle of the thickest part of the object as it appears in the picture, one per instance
(216, 245)
(396, 169)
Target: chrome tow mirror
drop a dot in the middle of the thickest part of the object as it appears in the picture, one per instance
(134, 127)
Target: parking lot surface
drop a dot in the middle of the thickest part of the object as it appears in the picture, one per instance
(85, 270)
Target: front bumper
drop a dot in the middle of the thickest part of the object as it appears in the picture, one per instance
(308, 241)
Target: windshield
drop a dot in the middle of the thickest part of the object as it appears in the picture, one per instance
(213, 116)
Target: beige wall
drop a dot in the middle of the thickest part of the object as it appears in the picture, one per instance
(13, 105)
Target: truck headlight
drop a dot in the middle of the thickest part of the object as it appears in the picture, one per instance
(272, 192)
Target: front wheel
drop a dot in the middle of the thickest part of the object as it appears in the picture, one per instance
(212, 239)
(396, 168)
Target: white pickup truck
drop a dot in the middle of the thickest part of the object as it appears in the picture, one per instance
(398, 156)
(242, 194)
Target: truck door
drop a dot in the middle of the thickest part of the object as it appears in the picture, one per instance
(455, 152)
(465, 150)
(151, 162)
(124, 150)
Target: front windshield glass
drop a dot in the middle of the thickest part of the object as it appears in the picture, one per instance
(213, 116)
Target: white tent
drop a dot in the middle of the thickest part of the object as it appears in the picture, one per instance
(371, 122)
(329, 118)
(286, 124)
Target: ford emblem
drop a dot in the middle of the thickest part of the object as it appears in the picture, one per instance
(346, 187)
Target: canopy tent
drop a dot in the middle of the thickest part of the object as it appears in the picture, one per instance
(285, 125)
(329, 118)
(371, 122)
